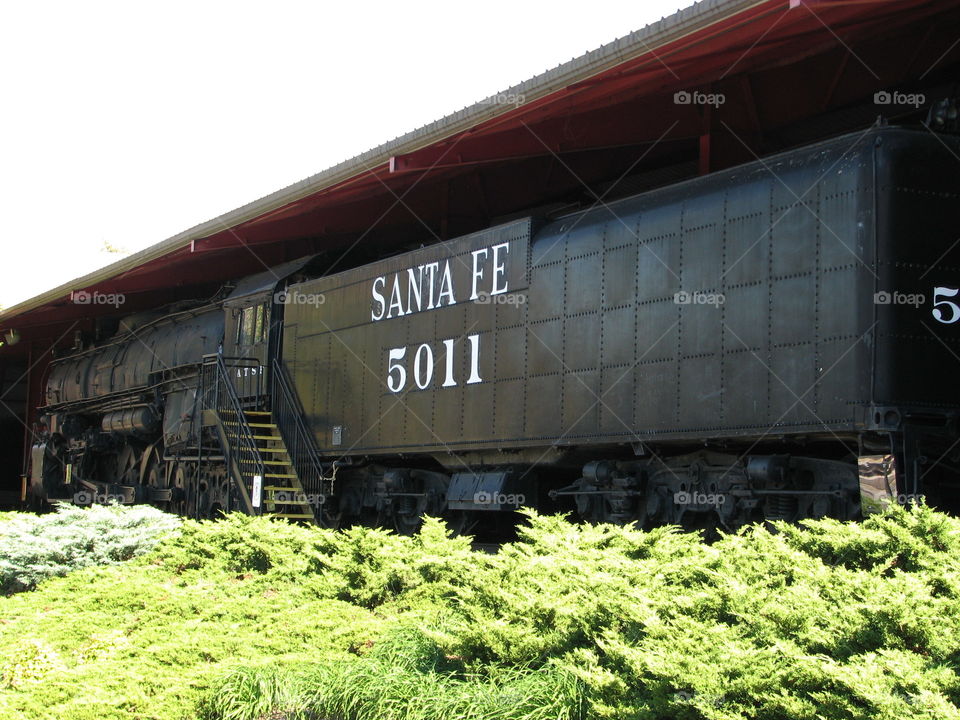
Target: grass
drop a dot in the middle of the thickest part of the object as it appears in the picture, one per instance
(252, 619)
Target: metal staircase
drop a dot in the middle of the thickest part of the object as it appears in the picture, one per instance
(257, 458)
(290, 418)
(283, 493)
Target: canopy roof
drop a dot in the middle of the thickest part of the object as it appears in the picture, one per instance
(607, 124)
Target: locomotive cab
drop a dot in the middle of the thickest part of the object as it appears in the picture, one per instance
(253, 325)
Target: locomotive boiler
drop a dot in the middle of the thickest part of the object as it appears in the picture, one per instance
(773, 341)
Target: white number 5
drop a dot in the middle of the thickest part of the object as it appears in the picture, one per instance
(953, 308)
(396, 382)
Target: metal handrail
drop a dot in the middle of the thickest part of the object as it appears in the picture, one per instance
(288, 415)
(219, 392)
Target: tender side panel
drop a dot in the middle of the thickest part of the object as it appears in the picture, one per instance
(727, 306)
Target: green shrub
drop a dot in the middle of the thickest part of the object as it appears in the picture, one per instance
(36, 547)
(252, 618)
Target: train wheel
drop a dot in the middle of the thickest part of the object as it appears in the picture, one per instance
(406, 516)
(328, 517)
(155, 472)
(128, 463)
(217, 486)
(407, 512)
(179, 486)
(153, 476)
(461, 522)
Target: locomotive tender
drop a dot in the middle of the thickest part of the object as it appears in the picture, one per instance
(774, 341)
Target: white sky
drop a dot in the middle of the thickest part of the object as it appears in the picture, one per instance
(126, 123)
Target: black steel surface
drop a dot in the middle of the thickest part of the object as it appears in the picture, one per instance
(607, 333)
(129, 361)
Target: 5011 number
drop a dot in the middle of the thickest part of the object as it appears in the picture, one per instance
(424, 365)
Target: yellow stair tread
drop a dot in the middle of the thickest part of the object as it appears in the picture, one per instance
(272, 449)
(276, 462)
(265, 437)
(279, 475)
(278, 488)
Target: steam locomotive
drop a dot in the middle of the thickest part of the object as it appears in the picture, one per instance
(779, 340)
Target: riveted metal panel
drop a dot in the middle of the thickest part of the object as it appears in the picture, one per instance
(739, 304)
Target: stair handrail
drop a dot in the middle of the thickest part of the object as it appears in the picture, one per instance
(241, 449)
(288, 414)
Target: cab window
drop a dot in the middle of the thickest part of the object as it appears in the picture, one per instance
(252, 325)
